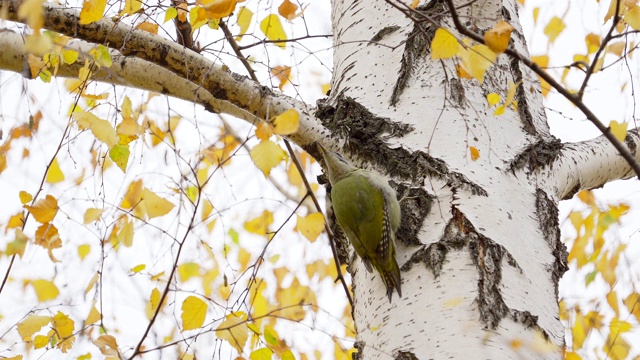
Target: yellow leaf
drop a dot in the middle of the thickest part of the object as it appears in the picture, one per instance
(286, 123)
(128, 126)
(197, 17)
(157, 276)
(497, 39)
(632, 17)
(283, 74)
(493, 99)
(133, 198)
(194, 311)
(267, 155)
(292, 298)
(188, 270)
(264, 130)
(45, 290)
(40, 341)
(444, 45)
(152, 305)
(92, 214)
(47, 236)
(261, 354)
(92, 11)
(513, 87)
(207, 208)
(33, 12)
(542, 60)
(155, 205)
(138, 268)
(94, 315)
(260, 224)
(69, 56)
(100, 128)
(620, 326)
(288, 11)
(15, 221)
(572, 356)
(616, 48)
(170, 14)
(83, 250)
(92, 282)
(131, 7)
(311, 226)
(63, 330)
(148, 27)
(101, 55)
(632, 302)
(618, 130)
(125, 236)
(586, 196)
(593, 42)
(293, 175)
(108, 345)
(554, 28)
(235, 330)
(480, 59)
(244, 20)
(616, 347)
(18, 245)
(272, 28)
(44, 210)
(578, 331)
(217, 9)
(220, 154)
(475, 153)
(288, 355)
(120, 155)
(25, 197)
(612, 300)
(31, 325)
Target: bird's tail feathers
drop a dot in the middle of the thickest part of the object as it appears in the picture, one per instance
(391, 279)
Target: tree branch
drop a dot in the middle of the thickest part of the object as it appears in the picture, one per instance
(590, 164)
(222, 84)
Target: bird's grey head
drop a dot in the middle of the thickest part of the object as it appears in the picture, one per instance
(336, 165)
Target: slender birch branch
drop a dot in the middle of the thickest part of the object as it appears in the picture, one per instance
(591, 164)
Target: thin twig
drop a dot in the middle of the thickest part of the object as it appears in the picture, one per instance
(296, 162)
(603, 45)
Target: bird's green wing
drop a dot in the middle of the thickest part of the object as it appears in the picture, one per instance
(358, 207)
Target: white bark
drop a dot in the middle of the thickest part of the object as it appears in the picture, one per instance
(484, 271)
(590, 164)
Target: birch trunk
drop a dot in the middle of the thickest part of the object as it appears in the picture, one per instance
(481, 274)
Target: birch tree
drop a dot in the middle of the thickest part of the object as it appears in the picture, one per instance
(441, 97)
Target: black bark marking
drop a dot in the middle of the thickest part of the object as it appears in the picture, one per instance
(366, 135)
(537, 155)
(547, 211)
(418, 45)
(384, 32)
